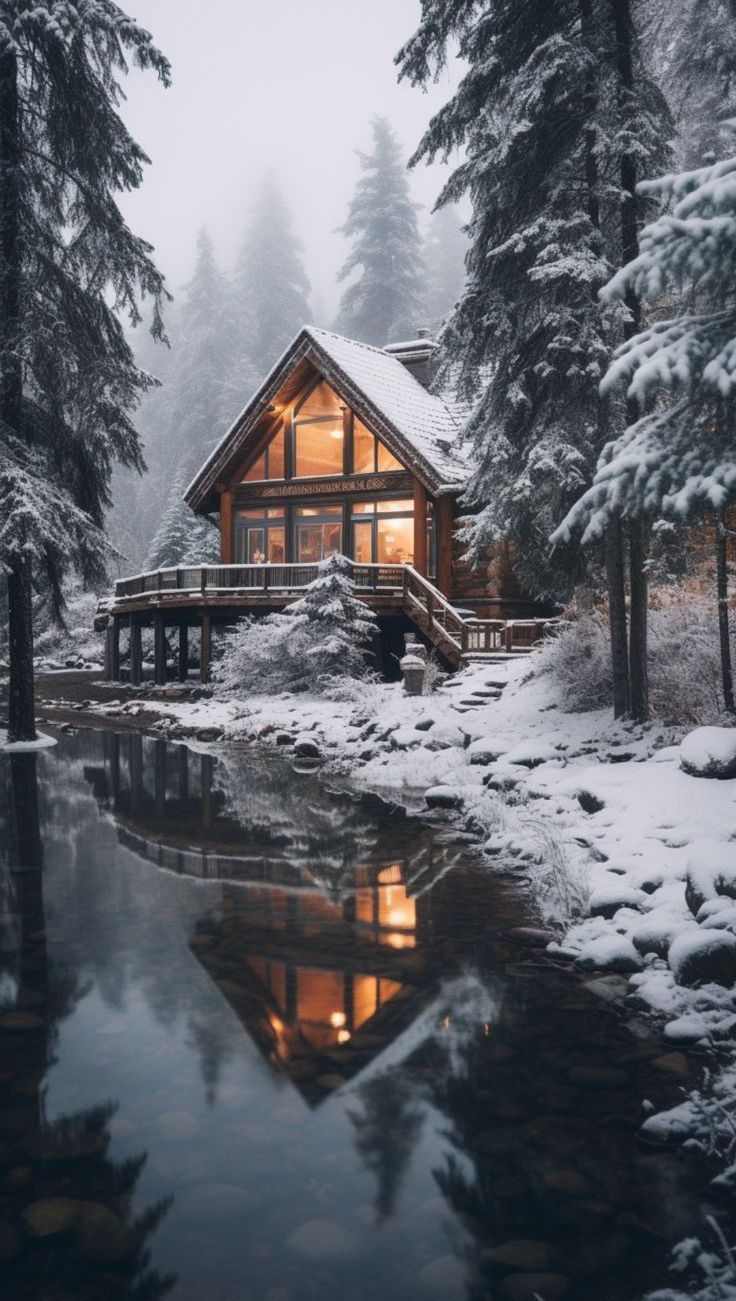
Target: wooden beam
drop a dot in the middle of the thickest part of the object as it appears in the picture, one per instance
(226, 527)
(183, 665)
(444, 544)
(206, 649)
(112, 650)
(136, 653)
(159, 649)
(420, 528)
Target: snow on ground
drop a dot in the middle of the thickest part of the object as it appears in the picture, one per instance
(628, 856)
(41, 742)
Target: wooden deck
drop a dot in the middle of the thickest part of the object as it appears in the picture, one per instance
(202, 592)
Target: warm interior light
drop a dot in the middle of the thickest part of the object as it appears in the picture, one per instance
(343, 1036)
(336, 433)
(337, 1019)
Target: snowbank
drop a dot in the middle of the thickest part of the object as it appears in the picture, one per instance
(42, 742)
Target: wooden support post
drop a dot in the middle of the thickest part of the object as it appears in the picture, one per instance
(159, 776)
(206, 789)
(420, 528)
(183, 665)
(136, 653)
(113, 742)
(183, 773)
(112, 648)
(206, 649)
(444, 544)
(226, 526)
(509, 636)
(135, 768)
(159, 649)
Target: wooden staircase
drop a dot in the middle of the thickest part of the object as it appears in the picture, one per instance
(460, 636)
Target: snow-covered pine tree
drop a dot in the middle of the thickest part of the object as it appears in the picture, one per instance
(182, 538)
(679, 459)
(693, 49)
(270, 287)
(68, 265)
(444, 261)
(528, 343)
(384, 300)
(319, 640)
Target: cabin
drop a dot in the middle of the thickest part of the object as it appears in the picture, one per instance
(344, 447)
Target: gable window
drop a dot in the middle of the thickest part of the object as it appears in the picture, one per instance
(271, 464)
(319, 437)
(369, 453)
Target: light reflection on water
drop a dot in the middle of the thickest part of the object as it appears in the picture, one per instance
(292, 1054)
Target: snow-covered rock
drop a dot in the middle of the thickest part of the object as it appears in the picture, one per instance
(444, 797)
(701, 956)
(530, 754)
(609, 952)
(606, 899)
(711, 871)
(670, 1127)
(709, 752)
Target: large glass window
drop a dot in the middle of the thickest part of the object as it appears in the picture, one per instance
(369, 453)
(319, 434)
(271, 464)
(383, 532)
(318, 533)
(260, 537)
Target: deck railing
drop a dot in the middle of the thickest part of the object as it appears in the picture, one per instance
(454, 630)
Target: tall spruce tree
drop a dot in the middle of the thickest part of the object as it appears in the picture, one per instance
(270, 287)
(693, 46)
(528, 342)
(68, 266)
(384, 300)
(444, 260)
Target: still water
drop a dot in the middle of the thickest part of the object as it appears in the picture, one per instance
(263, 1041)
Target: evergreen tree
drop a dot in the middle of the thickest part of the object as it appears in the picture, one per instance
(271, 290)
(444, 259)
(317, 641)
(182, 538)
(68, 265)
(385, 302)
(678, 460)
(527, 324)
(694, 50)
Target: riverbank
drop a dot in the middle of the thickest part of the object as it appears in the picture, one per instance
(624, 855)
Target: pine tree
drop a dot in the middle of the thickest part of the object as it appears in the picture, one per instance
(319, 640)
(680, 459)
(527, 342)
(271, 290)
(385, 302)
(182, 538)
(68, 266)
(444, 260)
(694, 49)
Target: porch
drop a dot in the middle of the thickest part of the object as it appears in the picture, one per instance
(202, 596)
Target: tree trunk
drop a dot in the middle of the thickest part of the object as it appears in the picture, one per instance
(617, 618)
(638, 668)
(21, 722)
(723, 628)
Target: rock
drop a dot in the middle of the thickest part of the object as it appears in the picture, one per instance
(711, 871)
(283, 738)
(496, 1142)
(709, 752)
(323, 1241)
(655, 934)
(534, 936)
(10, 1242)
(589, 802)
(210, 734)
(17, 1021)
(225, 1201)
(699, 956)
(672, 1063)
(99, 1235)
(598, 1077)
(444, 1278)
(50, 1216)
(568, 1182)
(444, 797)
(609, 953)
(527, 1254)
(306, 748)
(606, 900)
(532, 1287)
(444, 736)
(669, 1128)
(530, 754)
(485, 751)
(404, 738)
(424, 724)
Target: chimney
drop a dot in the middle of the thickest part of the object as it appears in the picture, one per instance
(417, 355)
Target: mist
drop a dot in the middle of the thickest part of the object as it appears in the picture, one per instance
(259, 87)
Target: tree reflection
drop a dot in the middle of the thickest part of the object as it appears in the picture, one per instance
(56, 1167)
(386, 1131)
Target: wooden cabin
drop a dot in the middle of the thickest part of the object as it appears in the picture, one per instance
(342, 448)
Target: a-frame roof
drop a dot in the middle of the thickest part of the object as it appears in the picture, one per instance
(417, 426)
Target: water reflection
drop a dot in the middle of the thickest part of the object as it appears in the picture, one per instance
(66, 1205)
(351, 1081)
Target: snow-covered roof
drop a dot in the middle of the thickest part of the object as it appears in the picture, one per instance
(420, 427)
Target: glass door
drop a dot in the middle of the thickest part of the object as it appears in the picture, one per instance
(318, 533)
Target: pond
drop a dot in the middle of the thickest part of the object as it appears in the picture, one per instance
(261, 1040)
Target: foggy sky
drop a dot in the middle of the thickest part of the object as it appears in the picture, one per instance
(289, 85)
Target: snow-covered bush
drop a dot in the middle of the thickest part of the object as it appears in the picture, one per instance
(76, 642)
(684, 662)
(714, 1269)
(318, 641)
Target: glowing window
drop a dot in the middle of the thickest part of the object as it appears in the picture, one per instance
(271, 464)
(386, 459)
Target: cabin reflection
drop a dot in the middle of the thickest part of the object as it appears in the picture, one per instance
(317, 944)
